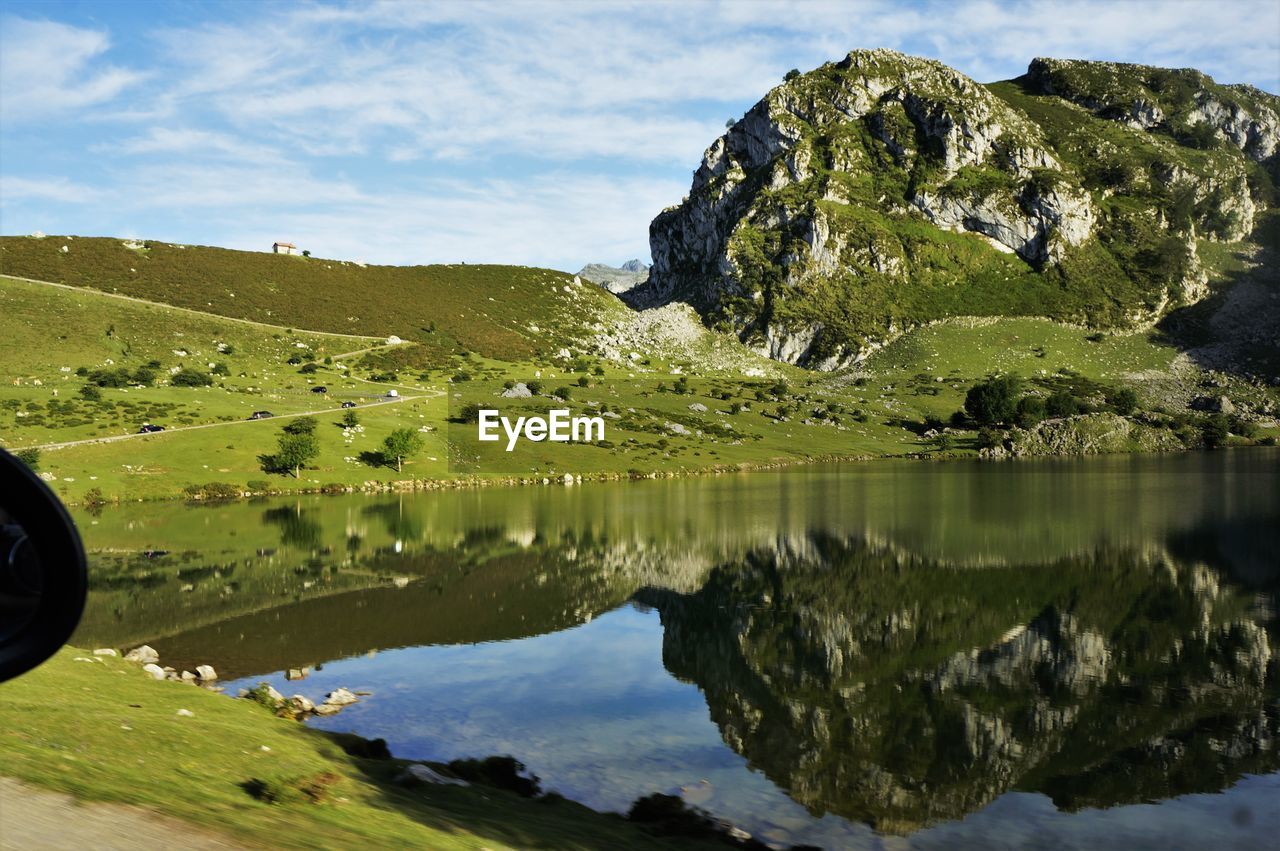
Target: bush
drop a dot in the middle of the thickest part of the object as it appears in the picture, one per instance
(187, 377)
(93, 498)
(583, 381)
(1030, 411)
(791, 75)
(220, 368)
(30, 457)
(258, 486)
(212, 490)
(90, 393)
(989, 438)
(1061, 404)
(1123, 401)
(350, 419)
(563, 393)
(311, 369)
(1214, 430)
(535, 387)
(461, 375)
(469, 413)
(993, 401)
(301, 425)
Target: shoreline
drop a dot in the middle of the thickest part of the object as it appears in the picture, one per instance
(415, 485)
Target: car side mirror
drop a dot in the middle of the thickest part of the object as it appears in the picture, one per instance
(43, 574)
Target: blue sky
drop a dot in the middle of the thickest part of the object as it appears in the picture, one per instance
(521, 132)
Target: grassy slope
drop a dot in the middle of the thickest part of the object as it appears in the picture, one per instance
(137, 750)
(486, 309)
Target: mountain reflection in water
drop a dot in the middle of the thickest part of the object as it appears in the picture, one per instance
(896, 646)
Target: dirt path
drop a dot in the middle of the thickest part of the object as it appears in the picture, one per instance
(203, 314)
(33, 819)
(429, 394)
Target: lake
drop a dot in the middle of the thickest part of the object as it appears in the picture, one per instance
(1061, 653)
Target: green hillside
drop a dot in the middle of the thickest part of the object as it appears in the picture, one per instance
(506, 312)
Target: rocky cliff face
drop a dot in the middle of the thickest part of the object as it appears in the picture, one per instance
(883, 191)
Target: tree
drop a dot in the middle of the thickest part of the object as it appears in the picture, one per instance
(350, 419)
(187, 377)
(791, 75)
(294, 450)
(301, 425)
(1123, 401)
(30, 457)
(992, 401)
(1214, 430)
(400, 444)
(469, 413)
(1061, 404)
(1030, 411)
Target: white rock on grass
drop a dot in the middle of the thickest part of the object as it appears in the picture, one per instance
(185, 713)
(154, 670)
(105, 651)
(206, 673)
(144, 654)
(302, 703)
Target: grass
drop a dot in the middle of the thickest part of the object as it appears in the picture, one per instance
(102, 730)
(486, 309)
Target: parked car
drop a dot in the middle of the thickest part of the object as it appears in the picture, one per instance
(320, 389)
(261, 415)
(348, 404)
(150, 429)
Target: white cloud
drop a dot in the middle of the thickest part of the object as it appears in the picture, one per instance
(532, 132)
(59, 189)
(48, 68)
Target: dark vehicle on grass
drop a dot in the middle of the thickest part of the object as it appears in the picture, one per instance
(320, 389)
(348, 404)
(150, 429)
(261, 415)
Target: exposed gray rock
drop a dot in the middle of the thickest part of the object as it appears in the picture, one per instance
(144, 654)
(416, 773)
(340, 697)
(206, 673)
(302, 704)
(615, 279)
(105, 651)
(154, 671)
(520, 391)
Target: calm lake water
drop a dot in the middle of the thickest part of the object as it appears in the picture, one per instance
(1075, 653)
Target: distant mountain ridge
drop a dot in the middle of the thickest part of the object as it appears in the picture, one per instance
(616, 279)
(884, 191)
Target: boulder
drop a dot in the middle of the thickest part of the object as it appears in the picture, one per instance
(340, 697)
(206, 673)
(154, 670)
(297, 673)
(185, 713)
(187, 677)
(144, 654)
(327, 709)
(416, 773)
(105, 651)
(302, 704)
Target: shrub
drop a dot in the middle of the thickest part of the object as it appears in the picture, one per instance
(350, 419)
(1030, 411)
(311, 369)
(1123, 401)
(187, 377)
(583, 381)
(93, 498)
(535, 387)
(30, 457)
(301, 425)
(563, 393)
(90, 393)
(791, 75)
(993, 401)
(1061, 404)
(258, 486)
(469, 413)
(989, 438)
(461, 375)
(1214, 430)
(220, 368)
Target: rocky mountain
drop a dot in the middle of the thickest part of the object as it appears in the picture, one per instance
(616, 279)
(883, 191)
(890, 689)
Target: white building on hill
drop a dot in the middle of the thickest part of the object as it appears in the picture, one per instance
(284, 248)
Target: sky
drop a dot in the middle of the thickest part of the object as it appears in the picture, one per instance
(535, 133)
